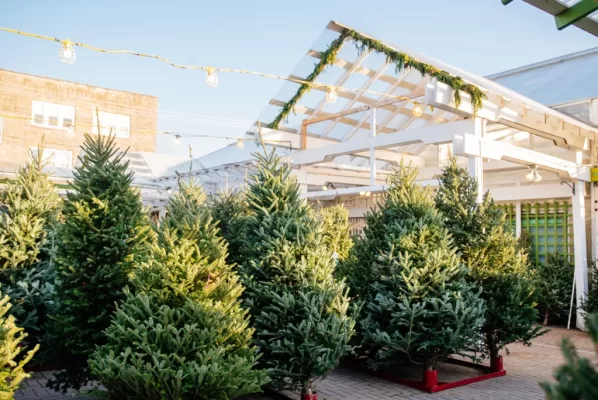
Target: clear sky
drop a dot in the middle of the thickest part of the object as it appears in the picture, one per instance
(481, 36)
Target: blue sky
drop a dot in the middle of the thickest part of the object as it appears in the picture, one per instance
(481, 36)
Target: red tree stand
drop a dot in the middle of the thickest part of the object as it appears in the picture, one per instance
(313, 396)
(430, 382)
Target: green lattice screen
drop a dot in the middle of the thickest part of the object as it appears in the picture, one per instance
(549, 224)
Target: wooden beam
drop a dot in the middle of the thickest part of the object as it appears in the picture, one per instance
(575, 13)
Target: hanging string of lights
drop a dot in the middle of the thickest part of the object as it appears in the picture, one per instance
(67, 55)
(239, 142)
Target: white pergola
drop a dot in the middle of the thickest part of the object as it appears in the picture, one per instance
(350, 147)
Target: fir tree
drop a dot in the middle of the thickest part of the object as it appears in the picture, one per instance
(103, 236)
(495, 260)
(11, 340)
(29, 209)
(229, 210)
(184, 334)
(337, 236)
(417, 305)
(299, 311)
(554, 280)
(590, 303)
(576, 379)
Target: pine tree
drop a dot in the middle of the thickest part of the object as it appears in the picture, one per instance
(103, 236)
(29, 209)
(298, 309)
(554, 280)
(337, 230)
(417, 306)
(11, 339)
(229, 210)
(590, 303)
(496, 261)
(184, 334)
(576, 379)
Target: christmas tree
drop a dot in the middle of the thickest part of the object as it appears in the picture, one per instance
(29, 209)
(495, 260)
(554, 281)
(184, 334)
(337, 235)
(229, 210)
(299, 310)
(11, 341)
(417, 305)
(576, 379)
(590, 303)
(103, 236)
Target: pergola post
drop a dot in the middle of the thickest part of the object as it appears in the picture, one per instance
(476, 162)
(580, 246)
(373, 151)
(518, 218)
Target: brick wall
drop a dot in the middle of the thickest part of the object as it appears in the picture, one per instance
(18, 91)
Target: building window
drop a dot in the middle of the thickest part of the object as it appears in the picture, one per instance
(57, 158)
(51, 115)
(117, 124)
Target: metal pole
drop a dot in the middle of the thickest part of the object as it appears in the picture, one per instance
(373, 151)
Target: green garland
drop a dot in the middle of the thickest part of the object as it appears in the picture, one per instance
(401, 61)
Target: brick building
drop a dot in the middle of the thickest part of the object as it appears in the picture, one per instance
(33, 106)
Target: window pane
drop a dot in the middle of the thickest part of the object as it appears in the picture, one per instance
(38, 119)
(67, 122)
(53, 121)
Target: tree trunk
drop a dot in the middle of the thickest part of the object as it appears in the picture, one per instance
(546, 315)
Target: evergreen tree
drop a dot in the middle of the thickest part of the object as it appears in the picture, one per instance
(417, 305)
(554, 280)
(590, 303)
(298, 309)
(337, 230)
(494, 258)
(576, 379)
(103, 236)
(229, 210)
(184, 334)
(11, 340)
(29, 209)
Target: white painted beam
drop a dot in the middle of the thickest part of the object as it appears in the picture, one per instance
(441, 133)
(552, 125)
(580, 249)
(470, 145)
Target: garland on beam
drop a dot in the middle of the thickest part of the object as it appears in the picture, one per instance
(401, 61)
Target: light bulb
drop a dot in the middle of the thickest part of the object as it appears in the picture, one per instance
(67, 52)
(211, 78)
(324, 187)
(418, 110)
(531, 174)
(362, 193)
(240, 143)
(177, 139)
(367, 194)
(331, 95)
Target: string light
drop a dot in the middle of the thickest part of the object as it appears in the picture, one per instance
(211, 77)
(418, 110)
(331, 95)
(367, 194)
(240, 144)
(533, 175)
(362, 193)
(177, 139)
(67, 52)
(324, 187)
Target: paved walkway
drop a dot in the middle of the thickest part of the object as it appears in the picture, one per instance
(525, 367)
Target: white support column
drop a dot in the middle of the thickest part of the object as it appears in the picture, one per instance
(580, 247)
(476, 162)
(373, 151)
(518, 218)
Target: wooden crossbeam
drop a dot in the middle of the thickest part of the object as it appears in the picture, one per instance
(575, 13)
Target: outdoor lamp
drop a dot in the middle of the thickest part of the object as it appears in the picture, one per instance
(67, 53)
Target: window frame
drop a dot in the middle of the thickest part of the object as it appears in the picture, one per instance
(33, 151)
(105, 129)
(62, 110)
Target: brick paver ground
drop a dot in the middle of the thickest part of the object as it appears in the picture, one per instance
(525, 367)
